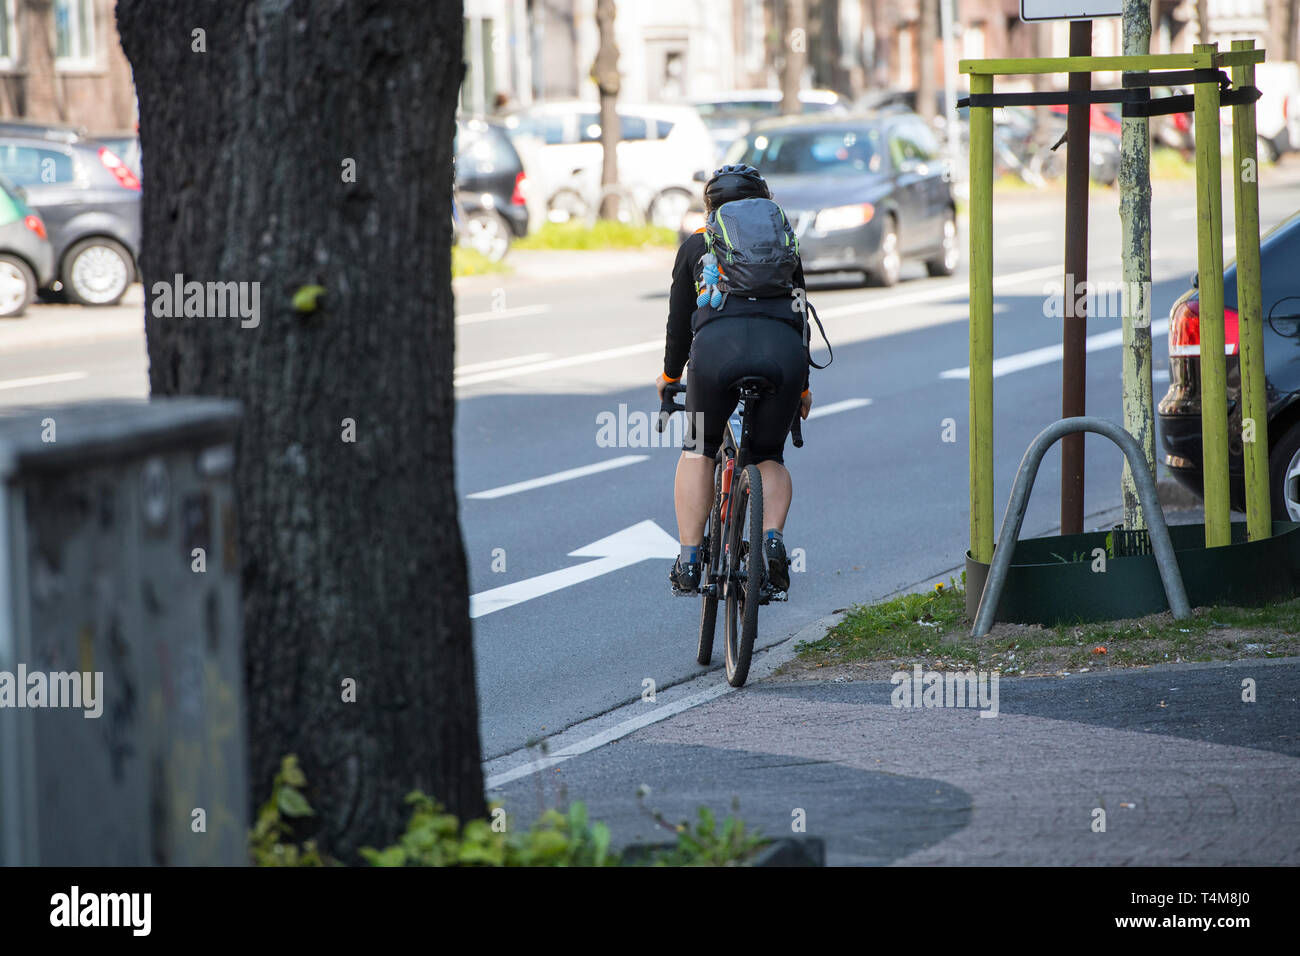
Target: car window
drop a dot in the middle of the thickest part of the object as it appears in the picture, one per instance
(33, 166)
(484, 151)
(832, 152)
(912, 141)
(548, 127)
(663, 128)
(630, 127)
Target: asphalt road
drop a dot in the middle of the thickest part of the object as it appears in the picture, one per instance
(880, 497)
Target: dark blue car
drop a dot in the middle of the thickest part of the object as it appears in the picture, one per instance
(1180, 409)
(863, 193)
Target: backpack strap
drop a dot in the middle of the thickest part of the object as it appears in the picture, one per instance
(807, 337)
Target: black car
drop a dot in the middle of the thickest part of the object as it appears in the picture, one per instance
(490, 188)
(1180, 409)
(863, 193)
(90, 202)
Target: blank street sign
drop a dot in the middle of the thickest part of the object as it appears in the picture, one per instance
(1031, 10)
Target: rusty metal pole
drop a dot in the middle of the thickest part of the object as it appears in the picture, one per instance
(1075, 322)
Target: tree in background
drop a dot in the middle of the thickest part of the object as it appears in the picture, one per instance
(605, 73)
(301, 144)
(927, 36)
(794, 55)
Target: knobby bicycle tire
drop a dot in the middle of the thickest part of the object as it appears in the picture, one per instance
(742, 612)
(709, 569)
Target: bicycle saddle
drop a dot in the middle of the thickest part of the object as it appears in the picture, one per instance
(755, 383)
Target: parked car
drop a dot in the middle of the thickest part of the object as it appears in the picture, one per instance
(491, 188)
(89, 200)
(1180, 409)
(661, 150)
(863, 193)
(26, 258)
(730, 115)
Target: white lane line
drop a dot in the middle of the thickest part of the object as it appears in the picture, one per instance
(502, 363)
(844, 406)
(558, 477)
(1052, 353)
(43, 380)
(470, 318)
(1025, 239)
(947, 290)
(566, 362)
(608, 736)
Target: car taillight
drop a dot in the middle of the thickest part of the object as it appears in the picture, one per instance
(119, 169)
(1185, 330)
(517, 197)
(35, 225)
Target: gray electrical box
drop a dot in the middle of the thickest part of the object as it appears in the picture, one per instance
(122, 738)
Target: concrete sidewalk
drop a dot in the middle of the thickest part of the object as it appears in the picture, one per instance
(1185, 771)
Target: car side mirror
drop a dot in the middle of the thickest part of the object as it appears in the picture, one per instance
(1286, 310)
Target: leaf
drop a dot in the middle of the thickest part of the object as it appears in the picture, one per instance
(307, 298)
(292, 803)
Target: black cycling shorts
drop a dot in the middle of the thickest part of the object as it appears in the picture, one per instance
(729, 348)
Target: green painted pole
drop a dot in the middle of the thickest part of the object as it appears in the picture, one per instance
(981, 324)
(1250, 309)
(1209, 247)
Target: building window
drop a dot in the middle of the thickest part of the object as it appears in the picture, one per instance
(74, 33)
(8, 35)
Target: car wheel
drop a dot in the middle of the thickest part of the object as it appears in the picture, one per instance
(889, 263)
(669, 208)
(17, 286)
(566, 205)
(488, 233)
(945, 264)
(1284, 475)
(97, 272)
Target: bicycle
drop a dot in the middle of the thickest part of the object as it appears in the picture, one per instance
(733, 532)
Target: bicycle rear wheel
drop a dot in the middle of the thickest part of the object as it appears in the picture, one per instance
(709, 570)
(745, 570)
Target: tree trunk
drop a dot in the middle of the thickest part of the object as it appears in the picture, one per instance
(605, 73)
(1291, 39)
(311, 145)
(1135, 242)
(795, 49)
(1203, 21)
(926, 35)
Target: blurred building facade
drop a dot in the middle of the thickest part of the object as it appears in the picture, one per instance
(61, 61)
(527, 50)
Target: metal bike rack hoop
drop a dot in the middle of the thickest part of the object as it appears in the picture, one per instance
(1015, 516)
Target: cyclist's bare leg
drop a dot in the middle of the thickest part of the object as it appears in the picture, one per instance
(777, 492)
(693, 496)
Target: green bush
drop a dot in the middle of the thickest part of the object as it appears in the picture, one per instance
(603, 234)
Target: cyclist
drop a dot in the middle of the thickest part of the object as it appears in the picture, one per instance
(744, 336)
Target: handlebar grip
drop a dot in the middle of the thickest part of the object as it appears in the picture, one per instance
(796, 431)
(667, 406)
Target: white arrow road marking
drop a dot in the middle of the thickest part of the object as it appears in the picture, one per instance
(639, 542)
(1052, 353)
(43, 380)
(471, 318)
(559, 476)
(844, 406)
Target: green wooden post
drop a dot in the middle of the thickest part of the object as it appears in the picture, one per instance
(981, 324)
(1250, 309)
(1209, 243)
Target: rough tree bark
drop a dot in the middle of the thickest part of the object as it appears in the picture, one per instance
(926, 36)
(1135, 222)
(311, 144)
(795, 50)
(605, 73)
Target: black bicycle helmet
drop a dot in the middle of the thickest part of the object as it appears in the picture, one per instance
(739, 181)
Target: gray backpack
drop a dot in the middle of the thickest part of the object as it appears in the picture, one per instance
(757, 251)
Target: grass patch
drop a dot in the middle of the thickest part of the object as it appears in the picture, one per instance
(470, 262)
(1169, 164)
(931, 628)
(603, 234)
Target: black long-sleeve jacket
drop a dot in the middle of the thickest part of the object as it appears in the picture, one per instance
(684, 318)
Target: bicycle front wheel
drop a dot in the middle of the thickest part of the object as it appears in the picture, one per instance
(710, 570)
(745, 570)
